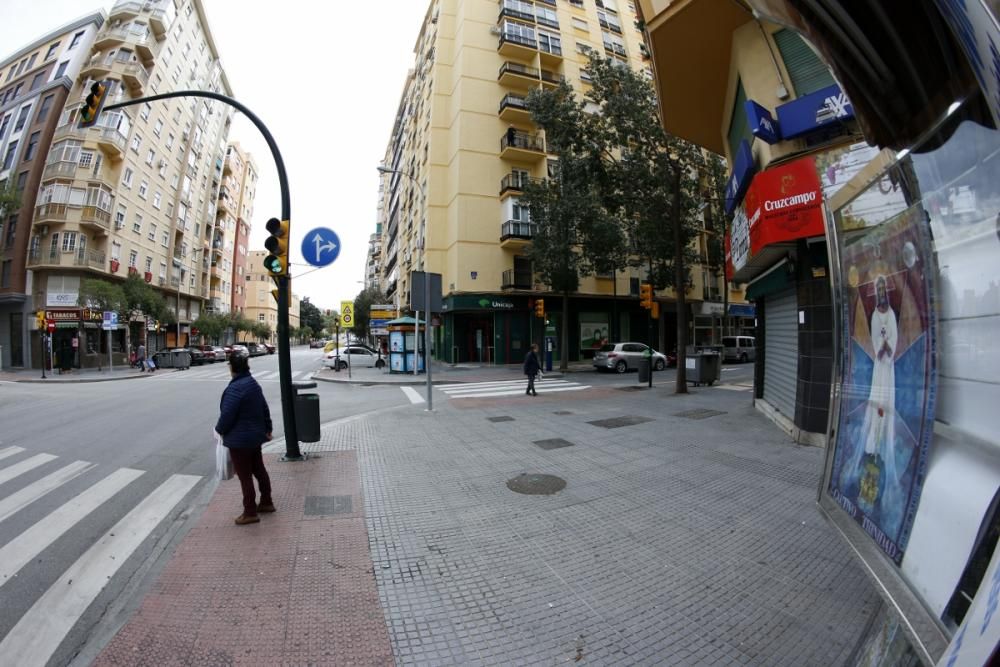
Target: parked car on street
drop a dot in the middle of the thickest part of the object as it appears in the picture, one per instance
(198, 355)
(255, 349)
(240, 350)
(317, 343)
(739, 348)
(356, 355)
(209, 354)
(220, 353)
(270, 348)
(622, 357)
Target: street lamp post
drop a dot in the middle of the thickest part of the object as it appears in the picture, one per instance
(382, 169)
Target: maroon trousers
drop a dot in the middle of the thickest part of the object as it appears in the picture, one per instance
(248, 462)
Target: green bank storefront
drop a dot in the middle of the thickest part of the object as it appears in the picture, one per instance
(486, 329)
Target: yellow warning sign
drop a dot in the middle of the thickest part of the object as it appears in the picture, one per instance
(347, 313)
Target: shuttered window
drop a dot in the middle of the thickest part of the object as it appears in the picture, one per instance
(807, 71)
(739, 128)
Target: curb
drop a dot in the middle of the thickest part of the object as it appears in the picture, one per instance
(80, 380)
(411, 383)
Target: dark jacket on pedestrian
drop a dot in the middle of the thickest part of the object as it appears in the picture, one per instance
(244, 420)
(531, 365)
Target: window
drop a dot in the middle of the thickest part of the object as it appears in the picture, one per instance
(158, 127)
(116, 251)
(157, 198)
(170, 141)
(580, 24)
(137, 224)
(127, 177)
(152, 232)
(147, 108)
(150, 155)
(22, 117)
(76, 40)
(260, 317)
(22, 180)
(165, 239)
(37, 82)
(133, 257)
(120, 217)
(20, 68)
(807, 71)
(136, 142)
(61, 70)
(3, 125)
(68, 241)
(86, 158)
(10, 74)
(43, 111)
(149, 264)
(546, 16)
(163, 169)
(739, 127)
(52, 51)
(5, 273)
(29, 152)
(143, 189)
(163, 269)
(8, 159)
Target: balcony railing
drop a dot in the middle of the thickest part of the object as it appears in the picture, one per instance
(126, 8)
(111, 135)
(517, 38)
(96, 216)
(523, 141)
(519, 69)
(552, 77)
(64, 169)
(517, 229)
(516, 279)
(50, 211)
(516, 181)
(514, 102)
(91, 258)
(554, 49)
(519, 10)
(67, 131)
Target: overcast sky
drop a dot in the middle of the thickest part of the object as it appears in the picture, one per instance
(326, 81)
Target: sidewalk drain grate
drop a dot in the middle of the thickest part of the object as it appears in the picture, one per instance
(562, 412)
(328, 505)
(536, 485)
(553, 443)
(618, 422)
(699, 413)
(503, 418)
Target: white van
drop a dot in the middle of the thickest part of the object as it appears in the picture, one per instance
(739, 348)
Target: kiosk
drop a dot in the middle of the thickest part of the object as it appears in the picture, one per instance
(403, 346)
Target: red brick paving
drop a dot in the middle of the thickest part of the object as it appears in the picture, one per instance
(291, 590)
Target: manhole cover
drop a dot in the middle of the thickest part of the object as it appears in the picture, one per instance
(327, 505)
(699, 413)
(553, 443)
(618, 422)
(536, 485)
(634, 387)
(504, 418)
(562, 412)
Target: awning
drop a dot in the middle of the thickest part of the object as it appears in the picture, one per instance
(777, 279)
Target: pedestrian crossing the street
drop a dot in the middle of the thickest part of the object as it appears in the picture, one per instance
(67, 528)
(509, 388)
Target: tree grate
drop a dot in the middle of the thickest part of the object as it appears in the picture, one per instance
(618, 422)
(503, 418)
(699, 413)
(553, 443)
(328, 505)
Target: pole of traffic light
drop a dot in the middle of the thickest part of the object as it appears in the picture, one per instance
(292, 452)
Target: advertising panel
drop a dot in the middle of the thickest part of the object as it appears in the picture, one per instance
(594, 331)
(889, 380)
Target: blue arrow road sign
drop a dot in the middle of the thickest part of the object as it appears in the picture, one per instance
(321, 246)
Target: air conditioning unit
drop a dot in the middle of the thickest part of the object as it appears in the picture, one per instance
(494, 30)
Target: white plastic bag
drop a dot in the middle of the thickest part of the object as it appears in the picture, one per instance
(223, 463)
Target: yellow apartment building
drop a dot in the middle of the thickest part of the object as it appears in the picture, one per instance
(234, 213)
(461, 148)
(260, 304)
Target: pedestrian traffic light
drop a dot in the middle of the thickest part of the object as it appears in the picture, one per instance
(277, 244)
(646, 295)
(539, 307)
(655, 312)
(92, 106)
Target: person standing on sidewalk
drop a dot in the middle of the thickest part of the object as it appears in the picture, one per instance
(245, 424)
(531, 368)
(140, 356)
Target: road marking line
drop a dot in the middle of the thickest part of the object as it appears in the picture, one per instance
(266, 375)
(30, 494)
(522, 384)
(520, 390)
(24, 466)
(18, 552)
(412, 394)
(496, 383)
(39, 632)
(10, 451)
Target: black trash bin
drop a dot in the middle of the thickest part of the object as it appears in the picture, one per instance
(644, 366)
(163, 360)
(306, 412)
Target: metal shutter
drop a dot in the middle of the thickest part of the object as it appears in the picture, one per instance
(808, 72)
(781, 351)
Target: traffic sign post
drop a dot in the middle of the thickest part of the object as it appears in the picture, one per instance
(321, 246)
(110, 323)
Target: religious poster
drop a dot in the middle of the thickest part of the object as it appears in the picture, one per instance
(888, 379)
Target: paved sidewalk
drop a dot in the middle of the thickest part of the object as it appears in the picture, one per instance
(686, 534)
(76, 375)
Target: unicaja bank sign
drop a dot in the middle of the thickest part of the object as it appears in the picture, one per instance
(782, 204)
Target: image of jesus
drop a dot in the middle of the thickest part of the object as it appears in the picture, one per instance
(879, 428)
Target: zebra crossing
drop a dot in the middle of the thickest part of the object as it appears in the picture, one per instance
(86, 517)
(217, 372)
(508, 388)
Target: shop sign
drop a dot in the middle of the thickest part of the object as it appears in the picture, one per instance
(61, 298)
(711, 308)
(739, 179)
(738, 243)
(63, 315)
(814, 111)
(485, 302)
(762, 123)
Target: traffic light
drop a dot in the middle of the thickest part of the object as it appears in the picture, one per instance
(92, 106)
(277, 244)
(646, 295)
(40, 322)
(655, 312)
(539, 307)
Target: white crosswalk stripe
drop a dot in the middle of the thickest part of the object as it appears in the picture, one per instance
(219, 373)
(82, 494)
(508, 388)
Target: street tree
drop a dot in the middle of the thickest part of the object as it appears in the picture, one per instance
(362, 310)
(310, 315)
(211, 326)
(10, 198)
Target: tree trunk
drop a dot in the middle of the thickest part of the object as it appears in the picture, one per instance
(679, 287)
(564, 335)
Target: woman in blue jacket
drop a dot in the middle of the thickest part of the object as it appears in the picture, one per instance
(245, 424)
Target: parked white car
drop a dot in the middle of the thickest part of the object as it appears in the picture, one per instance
(356, 356)
(622, 357)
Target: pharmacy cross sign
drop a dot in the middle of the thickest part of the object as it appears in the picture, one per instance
(321, 246)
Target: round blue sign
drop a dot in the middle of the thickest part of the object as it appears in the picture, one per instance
(321, 246)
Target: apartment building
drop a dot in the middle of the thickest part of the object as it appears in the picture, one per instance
(35, 83)
(260, 303)
(234, 213)
(461, 148)
(135, 194)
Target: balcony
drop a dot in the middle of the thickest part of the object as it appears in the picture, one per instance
(225, 204)
(64, 169)
(68, 131)
(96, 218)
(549, 53)
(160, 20)
(514, 182)
(50, 212)
(514, 108)
(516, 75)
(515, 45)
(91, 259)
(515, 145)
(516, 9)
(88, 259)
(96, 68)
(112, 143)
(516, 233)
(135, 77)
(125, 10)
(514, 279)
(551, 79)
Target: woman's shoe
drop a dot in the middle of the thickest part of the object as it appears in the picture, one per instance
(243, 519)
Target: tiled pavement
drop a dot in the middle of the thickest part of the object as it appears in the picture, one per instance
(679, 540)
